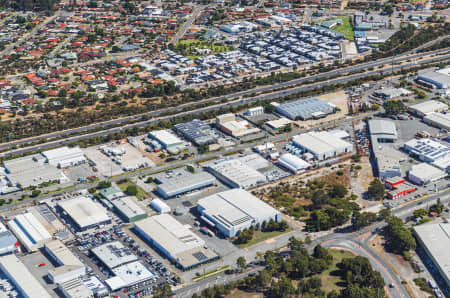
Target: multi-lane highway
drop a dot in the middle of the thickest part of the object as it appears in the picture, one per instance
(232, 99)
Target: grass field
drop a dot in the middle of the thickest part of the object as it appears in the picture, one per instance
(346, 28)
(330, 279)
(140, 192)
(187, 47)
(259, 236)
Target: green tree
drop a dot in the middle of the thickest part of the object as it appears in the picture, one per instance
(399, 238)
(103, 184)
(241, 262)
(394, 107)
(376, 190)
(35, 193)
(131, 190)
(419, 213)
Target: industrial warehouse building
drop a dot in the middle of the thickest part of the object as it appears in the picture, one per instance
(124, 265)
(234, 210)
(322, 145)
(74, 288)
(167, 140)
(128, 209)
(438, 120)
(426, 150)
(32, 171)
(293, 163)
(383, 131)
(114, 254)
(304, 109)
(8, 243)
(173, 183)
(19, 275)
(85, 213)
(391, 93)
(229, 125)
(176, 241)
(436, 79)
(435, 239)
(69, 266)
(425, 108)
(424, 173)
(30, 232)
(64, 157)
(235, 173)
(195, 131)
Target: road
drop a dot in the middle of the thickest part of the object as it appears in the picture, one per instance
(55, 51)
(274, 95)
(357, 242)
(195, 13)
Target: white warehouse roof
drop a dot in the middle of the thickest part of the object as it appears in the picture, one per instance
(170, 234)
(114, 254)
(30, 232)
(436, 240)
(322, 144)
(293, 163)
(427, 107)
(21, 277)
(64, 156)
(159, 206)
(438, 119)
(62, 254)
(84, 211)
(128, 275)
(166, 137)
(236, 209)
(383, 129)
(424, 173)
(236, 173)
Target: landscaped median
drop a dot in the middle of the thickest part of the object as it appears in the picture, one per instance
(211, 273)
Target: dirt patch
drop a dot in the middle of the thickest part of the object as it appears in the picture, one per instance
(236, 293)
(339, 176)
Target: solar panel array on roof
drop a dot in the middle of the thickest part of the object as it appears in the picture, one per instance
(46, 213)
(304, 108)
(195, 131)
(200, 256)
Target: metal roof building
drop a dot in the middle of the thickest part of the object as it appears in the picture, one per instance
(64, 156)
(293, 163)
(70, 266)
(114, 254)
(427, 107)
(174, 183)
(195, 131)
(22, 278)
(176, 241)
(305, 109)
(426, 149)
(128, 275)
(85, 212)
(322, 145)
(383, 130)
(235, 173)
(8, 243)
(435, 239)
(128, 209)
(30, 232)
(424, 173)
(438, 120)
(438, 79)
(74, 288)
(167, 139)
(234, 210)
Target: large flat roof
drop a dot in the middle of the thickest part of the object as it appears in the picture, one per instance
(129, 274)
(128, 207)
(176, 182)
(63, 253)
(29, 230)
(436, 239)
(22, 277)
(84, 211)
(237, 172)
(320, 142)
(166, 137)
(428, 107)
(383, 128)
(176, 239)
(442, 120)
(62, 153)
(304, 108)
(114, 254)
(236, 207)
